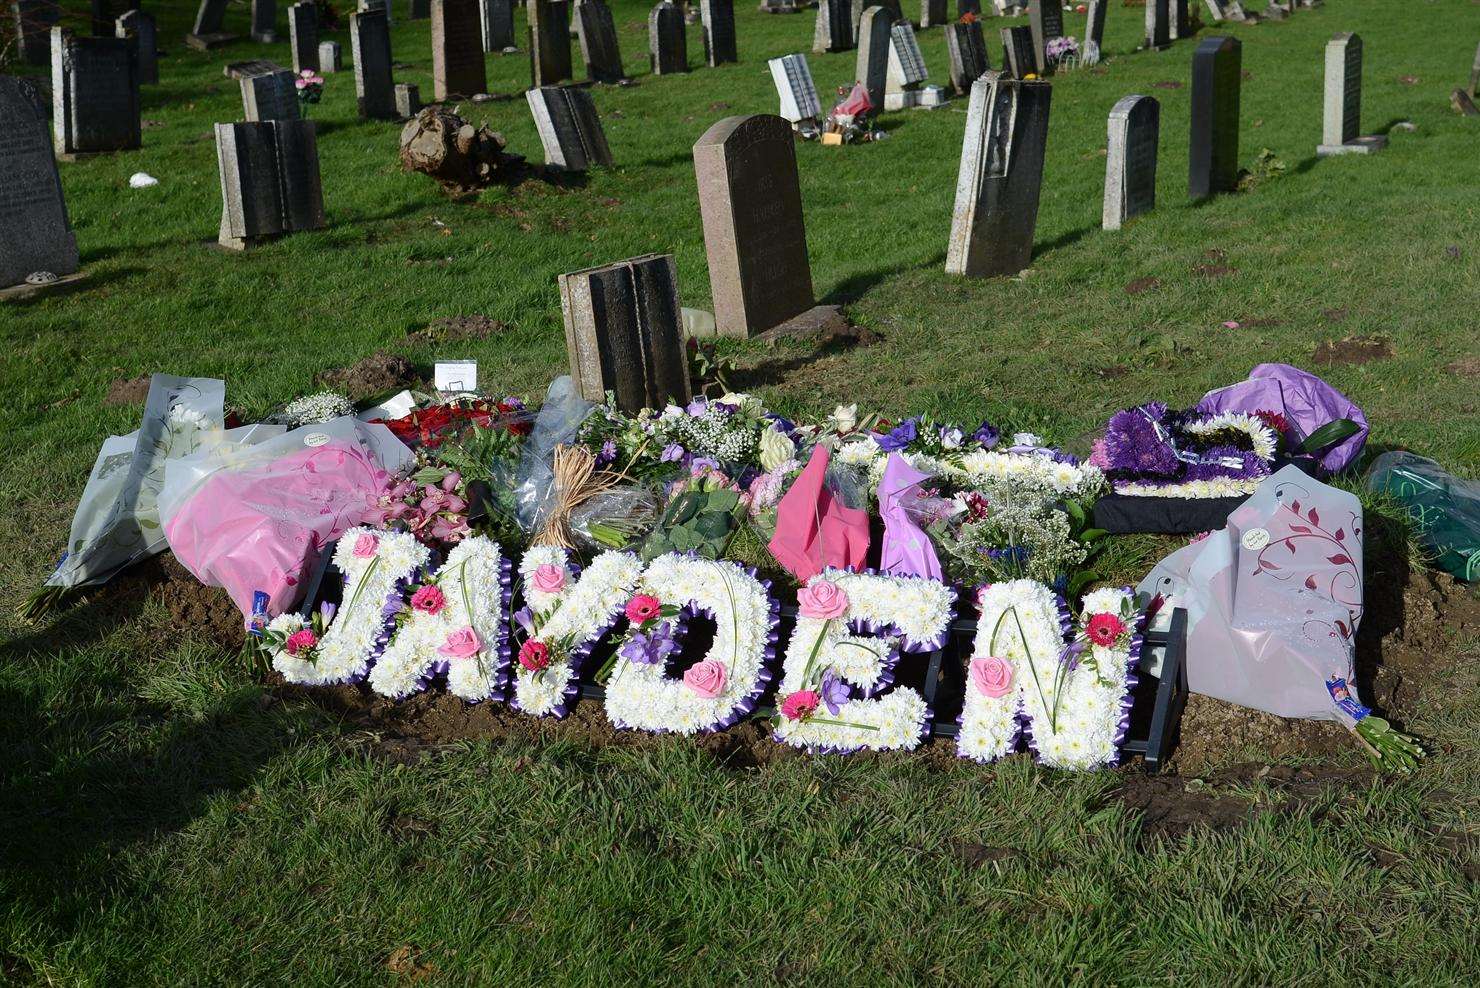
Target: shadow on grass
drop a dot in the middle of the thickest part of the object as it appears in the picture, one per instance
(69, 804)
(853, 288)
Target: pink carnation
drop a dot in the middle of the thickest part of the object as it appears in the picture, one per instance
(429, 599)
(301, 641)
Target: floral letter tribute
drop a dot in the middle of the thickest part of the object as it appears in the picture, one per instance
(454, 625)
(377, 566)
(563, 619)
(1071, 699)
(724, 686)
(841, 659)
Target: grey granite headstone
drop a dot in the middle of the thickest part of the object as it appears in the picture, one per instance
(264, 21)
(270, 96)
(496, 19)
(303, 35)
(750, 199)
(1094, 33)
(1046, 22)
(834, 29)
(35, 234)
(32, 21)
(206, 33)
(418, 10)
(408, 100)
(967, 49)
(1179, 20)
(596, 31)
(458, 70)
(717, 21)
(1018, 60)
(933, 13)
(895, 8)
(1342, 133)
(1216, 80)
(624, 332)
(871, 67)
(252, 66)
(269, 180)
(780, 6)
(794, 86)
(1158, 24)
(1001, 176)
(331, 57)
(668, 47)
(905, 83)
(378, 7)
(569, 128)
(549, 42)
(370, 44)
(95, 94)
(1130, 166)
(139, 26)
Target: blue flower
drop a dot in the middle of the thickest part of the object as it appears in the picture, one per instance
(651, 648)
(607, 454)
(900, 436)
(987, 434)
(835, 692)
(672, 453)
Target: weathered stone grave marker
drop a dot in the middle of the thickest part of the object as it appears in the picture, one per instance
(458, 70)
(95, 95)
(871, 66)
(408, 100)
(834, 30)
(933, 13)
(750, 199)
(496, 24)
(1017, 52)
(1001, 175)
(549, 42)
(624, 332)
(905, 85)
(303, 35)
(717, 21)
(35, 234)
(596, 31)
(668, 46)
(139, 27)
(1045, 22)
(264, 21)
(1342, 131)
(32, 21)
(370, 43)
(269, 181)
(967, 49)
(1158, 24)
(206, 33)
(1130, 166)
(569, 128)
(331, 57)
(1216, 80)
(799, 101)
(1094, 33)
(270, 96)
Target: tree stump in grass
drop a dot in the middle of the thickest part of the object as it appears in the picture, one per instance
(461, 157)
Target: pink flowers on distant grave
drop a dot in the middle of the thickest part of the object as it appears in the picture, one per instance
(310, 88)
(308, 77)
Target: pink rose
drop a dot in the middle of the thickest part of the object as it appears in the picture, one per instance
(429, 599)
(461, 644)
(823, 600)
(534, 655)
(300, 641)
(365, 546)
(643, 608)
(799, 705)
(1104, 629)
(707, 678)
(992, 676)
(548, 578)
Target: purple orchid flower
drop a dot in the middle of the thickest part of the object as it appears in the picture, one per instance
(651, 648)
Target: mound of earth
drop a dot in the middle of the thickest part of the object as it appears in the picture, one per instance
(375, 375)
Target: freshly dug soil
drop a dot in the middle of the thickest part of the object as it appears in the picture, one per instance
(458, 329)
(1352, 351)
(128, 391)
(372, 376)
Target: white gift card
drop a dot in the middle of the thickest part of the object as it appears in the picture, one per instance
(457, 375)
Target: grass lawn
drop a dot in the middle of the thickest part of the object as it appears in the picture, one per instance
(165, 819)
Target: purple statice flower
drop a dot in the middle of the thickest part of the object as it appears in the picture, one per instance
(608, 453)
(697, 407)
(1133, 445)
(651, 648)
(900, 436)
(703, 463)
(391, 607)
(834, 692)
(515, 404)
(1227, 461)
(987, 434)
(1059, 456)
(672, 453)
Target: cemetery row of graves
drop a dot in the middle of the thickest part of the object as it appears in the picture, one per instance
(779, 443)
(491, 551)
